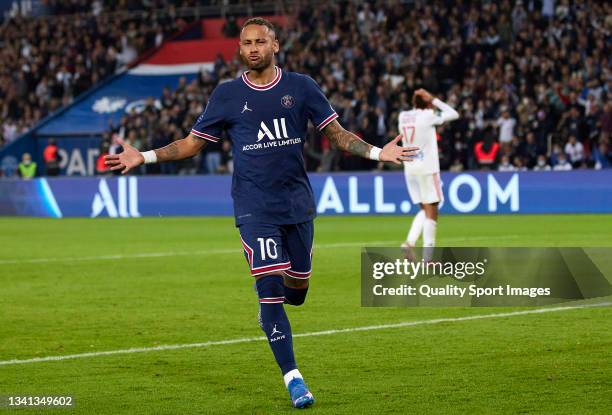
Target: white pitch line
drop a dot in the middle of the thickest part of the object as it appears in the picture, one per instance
(221, 251)
(170, 253)
(311, 334)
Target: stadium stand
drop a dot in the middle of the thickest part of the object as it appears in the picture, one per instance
(529, 78)
(46, 62)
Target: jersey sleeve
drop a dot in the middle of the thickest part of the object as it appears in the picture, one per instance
(447, 113)
(318, 107)
(209, 125)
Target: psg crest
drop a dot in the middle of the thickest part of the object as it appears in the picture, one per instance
(287, 101)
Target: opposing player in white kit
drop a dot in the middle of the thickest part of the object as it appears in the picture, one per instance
(418, 128)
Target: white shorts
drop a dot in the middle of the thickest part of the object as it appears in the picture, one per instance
(424, 188)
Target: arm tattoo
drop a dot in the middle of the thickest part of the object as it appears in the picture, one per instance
(198, 142)
(180, 149)
(345, 140)
(167, 153)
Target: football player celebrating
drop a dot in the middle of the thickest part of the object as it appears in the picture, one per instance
(265, 112)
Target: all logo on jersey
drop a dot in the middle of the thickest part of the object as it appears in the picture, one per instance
(287, 101)
(265, 131)
(276, 134)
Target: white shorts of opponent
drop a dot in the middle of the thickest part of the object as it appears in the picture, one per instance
(424, 188)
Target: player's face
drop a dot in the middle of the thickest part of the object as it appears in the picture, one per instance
(258, 45)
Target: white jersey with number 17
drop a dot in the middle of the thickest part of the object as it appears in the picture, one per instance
(418, 128)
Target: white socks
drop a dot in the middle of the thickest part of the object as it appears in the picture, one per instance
(288, 377)
(421, 223)
(429, 239)
(416, 228)
(429, 233)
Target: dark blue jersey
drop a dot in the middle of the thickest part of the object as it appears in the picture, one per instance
(267, 125)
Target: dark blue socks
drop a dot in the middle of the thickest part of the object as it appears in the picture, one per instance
(295, 296)
(274, 322)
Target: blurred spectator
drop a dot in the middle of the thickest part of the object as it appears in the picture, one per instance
(548, 8)
(605, 119)
(227, 163)
(602, 156)
(457, 166)
(530, 150)
(134, 140)
(115, 144)
(486, 152)
(51, 158)
(10, 129)
(519, 164)
(231, 28)
(542, 164)
(562, 164)
(575, 151)
(506, 127)
(571, 124)
(212, 157)
(27, 167)
(504, 164)
(555, 154)
(101, 168)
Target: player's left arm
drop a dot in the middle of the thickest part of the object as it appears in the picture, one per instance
(347, 141)
(447, 113)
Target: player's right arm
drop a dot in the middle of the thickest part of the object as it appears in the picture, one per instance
(208, 127)
(177, 150)
(348, 141)
(322, 114)
(180, 149)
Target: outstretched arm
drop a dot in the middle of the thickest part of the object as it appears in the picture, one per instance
(347, 141)
(177, 150)
(180, 149)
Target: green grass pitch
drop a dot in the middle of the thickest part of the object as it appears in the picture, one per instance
(120, 284)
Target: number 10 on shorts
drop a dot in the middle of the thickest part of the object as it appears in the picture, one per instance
(267, 246)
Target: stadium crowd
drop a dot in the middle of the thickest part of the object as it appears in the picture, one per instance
(530, 79)
(46, 62)
(96, 7)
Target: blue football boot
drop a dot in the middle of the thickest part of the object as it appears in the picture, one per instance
(300, 395)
